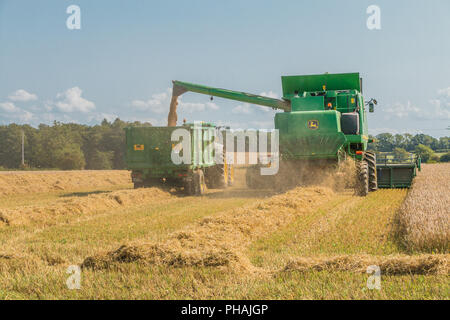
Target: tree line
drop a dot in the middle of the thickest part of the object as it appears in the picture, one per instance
(401, 145)
(65, 146)
(70, 146)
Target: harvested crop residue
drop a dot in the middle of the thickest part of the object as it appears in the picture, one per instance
(77, 206)
(389, 265)
(318, 173)
(219, 241)
(423, 221)
(26, 182)
(305, 173)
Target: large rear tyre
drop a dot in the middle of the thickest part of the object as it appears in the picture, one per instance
(362, 183)
(216, 177)
(371, 160)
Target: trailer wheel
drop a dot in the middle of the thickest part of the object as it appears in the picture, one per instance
(362, 185)
(230, 175)
(189, 186)
(371, 160)
(138, 185)
(199, 182)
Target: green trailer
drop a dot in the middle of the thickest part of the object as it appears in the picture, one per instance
(151, 152)
(397, 173)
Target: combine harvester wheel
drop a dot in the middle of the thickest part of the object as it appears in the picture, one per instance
(371, 160)
(362, 186)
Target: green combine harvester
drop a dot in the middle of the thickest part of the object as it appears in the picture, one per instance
(323, 122)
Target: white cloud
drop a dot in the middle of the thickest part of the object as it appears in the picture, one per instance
(71, 101)
(14, 113)
(269, 94)
(22, 95)
(196, 107)
(242, 109)
(160, 103)
(246, 108)
(441, 105)
(8, 107)
(438, 108)
(267, 124)
(25, 116)
(444, 92)
(400, 110)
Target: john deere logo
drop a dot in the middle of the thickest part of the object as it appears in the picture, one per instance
(313, 124)
(138, 147)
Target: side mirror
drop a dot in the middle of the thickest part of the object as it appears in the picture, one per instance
(371, 107)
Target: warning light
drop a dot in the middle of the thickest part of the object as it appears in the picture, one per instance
(359, 153)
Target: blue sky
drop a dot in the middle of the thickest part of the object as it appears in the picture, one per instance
(122, 60)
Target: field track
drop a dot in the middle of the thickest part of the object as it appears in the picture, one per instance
(239, 243)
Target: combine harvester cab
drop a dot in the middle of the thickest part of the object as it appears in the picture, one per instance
(327, 118)
(397, 173)
(149, 156)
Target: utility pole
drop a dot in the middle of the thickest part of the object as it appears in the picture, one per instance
(23, 149)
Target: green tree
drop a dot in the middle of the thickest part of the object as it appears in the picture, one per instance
(70, 158)
(385, 142)
(445, 157)
(434, 158)
(101, 160)
(444, 143)
(401, 154)
(399, 141)
(424, 152)
(114, 140)
(424, 139)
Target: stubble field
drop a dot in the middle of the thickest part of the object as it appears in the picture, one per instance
(305, 243)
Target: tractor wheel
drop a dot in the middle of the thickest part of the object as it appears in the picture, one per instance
(138, 185)
(221, 176)
(210, 177)
(152, 182)
(189, 186)
(199, 183)
(230, 175)
(215, 177)
(362, 185)
(371, 160)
